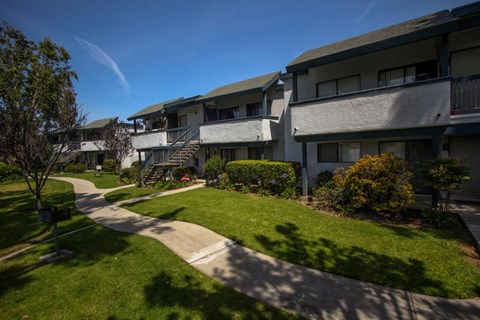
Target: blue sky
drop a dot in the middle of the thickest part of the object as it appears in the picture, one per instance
(131, 54)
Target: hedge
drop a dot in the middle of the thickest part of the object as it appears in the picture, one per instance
(275, 176)
(9, 173)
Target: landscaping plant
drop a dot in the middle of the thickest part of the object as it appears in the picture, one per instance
(213, 168)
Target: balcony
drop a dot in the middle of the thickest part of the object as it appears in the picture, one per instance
(90, 146)
(244, 130)
(415, 105)
(149, 139)
(466, 95)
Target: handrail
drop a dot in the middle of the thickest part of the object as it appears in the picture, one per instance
(465, 95)
(195, 135)
(176, 130)
(147, 161)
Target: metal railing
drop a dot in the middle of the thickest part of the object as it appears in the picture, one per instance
(181, 141)
(175, 134)
(466, 95)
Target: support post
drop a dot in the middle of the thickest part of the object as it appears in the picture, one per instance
(444, 56)
(264, 105)
(135, 125)
(304, 170)
(435, 154)
(262, 152)
(55, 236)
(294, 87)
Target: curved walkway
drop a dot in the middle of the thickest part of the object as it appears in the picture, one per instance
(311, 293)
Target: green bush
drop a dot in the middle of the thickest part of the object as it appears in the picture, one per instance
(180, 172)
(331, 194)
(75, 168)
(213, 168)
(445, 175)
(109, 165)
(440, 218)
(9, 173)
(130, 175)
(323, 178)
(274, 176)
(380, 183)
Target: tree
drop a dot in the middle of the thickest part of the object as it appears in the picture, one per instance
(37, 103)
(117, 141)
(445, 175)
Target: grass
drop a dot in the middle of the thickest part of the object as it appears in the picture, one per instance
(105, 181)
(427, 261)
(130, 193)
(113, 275)
(19, 225)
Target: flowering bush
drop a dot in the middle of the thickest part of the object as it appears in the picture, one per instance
(181, 172)
(274, 176)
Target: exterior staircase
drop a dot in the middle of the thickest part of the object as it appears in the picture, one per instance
(181, 155)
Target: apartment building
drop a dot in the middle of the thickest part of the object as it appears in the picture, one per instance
(412, 89)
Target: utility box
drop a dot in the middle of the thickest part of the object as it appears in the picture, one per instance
(54, 215)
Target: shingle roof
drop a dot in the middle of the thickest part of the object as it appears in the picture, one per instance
(98, 124)
(155, 108)
(373, 37)
(260, 83)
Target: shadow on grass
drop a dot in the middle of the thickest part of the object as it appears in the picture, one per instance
(220, 303)
(354, 262)
(117, 197)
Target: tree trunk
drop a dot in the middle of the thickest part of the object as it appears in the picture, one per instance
(38, 196)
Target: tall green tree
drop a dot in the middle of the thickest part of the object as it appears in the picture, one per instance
(37, 104)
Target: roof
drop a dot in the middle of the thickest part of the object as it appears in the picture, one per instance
(99, 124)
(182, 103)
(415, 26)
(257, 84)
(155, 108)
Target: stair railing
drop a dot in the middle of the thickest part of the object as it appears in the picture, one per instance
(180, 148)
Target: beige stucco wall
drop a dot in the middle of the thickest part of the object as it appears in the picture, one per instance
(239, 131)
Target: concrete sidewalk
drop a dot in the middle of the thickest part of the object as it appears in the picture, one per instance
(310, 293)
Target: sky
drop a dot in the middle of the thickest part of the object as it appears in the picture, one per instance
(130, 54)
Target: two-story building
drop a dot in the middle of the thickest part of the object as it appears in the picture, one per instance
(412, 89)
(237, 121)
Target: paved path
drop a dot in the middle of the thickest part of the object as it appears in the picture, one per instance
(311, 293)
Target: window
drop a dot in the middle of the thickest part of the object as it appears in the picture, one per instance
(397, 147)
(339, 152)
(349, 152)
(230, 113)
(228, 154)
(338, 86)
(327, 152)
(408, 74)
(256, 109)
(255, 153)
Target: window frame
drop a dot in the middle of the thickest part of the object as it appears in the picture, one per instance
(404, 69)
(358, 75)
(235, 110)
(338, 146)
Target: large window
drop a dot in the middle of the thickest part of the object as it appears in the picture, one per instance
(408, 74)
(228, 154)
(338, 86)
(255, 153)
(338, 152)
(230, 113)
(256, 109)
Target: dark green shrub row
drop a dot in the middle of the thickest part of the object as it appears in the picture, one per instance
(109, 165)
(180, 172)
(9, 173)
(271, 175)
(130, 175)
(213, 168)
(75, 168)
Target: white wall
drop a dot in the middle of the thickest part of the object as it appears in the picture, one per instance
(239, 131)
(149, 139)
(416, 106)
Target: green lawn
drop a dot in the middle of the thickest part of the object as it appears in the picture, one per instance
(19, 225)
(130, 193)
(105, 181)
(114, 275)
(111, 275)
(426, 261)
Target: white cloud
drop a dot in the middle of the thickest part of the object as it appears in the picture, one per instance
(101, 57)
(366, 11)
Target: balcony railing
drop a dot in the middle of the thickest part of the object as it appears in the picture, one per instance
(466, 95)
(176, 134)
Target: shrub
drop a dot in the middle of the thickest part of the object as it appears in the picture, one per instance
(380, 183)
(109, 165)
(75, 168)
(225, 183)
(445, 175)
(289, 193)
(440, 218)
(331, 194)
(130, 175)
(274, 176)
(9, 173)
(180, 172)
(213, 168)
(323, 177)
